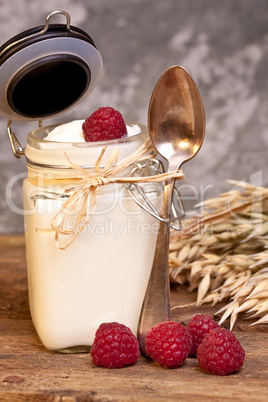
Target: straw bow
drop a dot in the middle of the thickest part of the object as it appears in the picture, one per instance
(82, 201)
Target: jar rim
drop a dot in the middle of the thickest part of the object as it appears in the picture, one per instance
(33, 136)
(41, 152)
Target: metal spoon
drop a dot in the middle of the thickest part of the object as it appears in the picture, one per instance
(176, 123)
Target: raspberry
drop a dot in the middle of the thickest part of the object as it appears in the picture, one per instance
(114, 346)
(104, 124)
(220, 352)
(168, 343)
(198, 327)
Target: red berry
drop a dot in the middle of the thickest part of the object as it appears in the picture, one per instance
(104, 124)
(114, 346)
(198, 327)
(220, 352)
(168, 343)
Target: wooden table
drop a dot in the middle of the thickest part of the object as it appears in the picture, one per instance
(29, 372)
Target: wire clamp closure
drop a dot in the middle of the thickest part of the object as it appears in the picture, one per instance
(157, 167)
(17, 149)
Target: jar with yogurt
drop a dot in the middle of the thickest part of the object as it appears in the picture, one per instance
(102, 275)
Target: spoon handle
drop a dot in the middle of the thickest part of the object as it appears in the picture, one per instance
(156, 304)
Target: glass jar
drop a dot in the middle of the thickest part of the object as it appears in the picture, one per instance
(102, 275)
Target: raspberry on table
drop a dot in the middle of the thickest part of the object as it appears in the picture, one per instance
(220, 352)
(114, 346)
(198, 327)
(168, 343)
(104, 124)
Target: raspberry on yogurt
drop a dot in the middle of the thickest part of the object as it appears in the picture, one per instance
(104, 124)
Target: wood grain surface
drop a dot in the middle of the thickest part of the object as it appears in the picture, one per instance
(29, 372)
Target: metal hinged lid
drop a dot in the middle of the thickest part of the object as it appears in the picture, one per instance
(46, 71)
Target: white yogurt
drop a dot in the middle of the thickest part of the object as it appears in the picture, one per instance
(102, 276)
(72, 132)
(53, 146)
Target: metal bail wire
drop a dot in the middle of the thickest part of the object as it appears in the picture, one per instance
(68, 20)
(177, 210)
(17, 149)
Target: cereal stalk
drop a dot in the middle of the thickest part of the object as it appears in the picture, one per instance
(222, 253)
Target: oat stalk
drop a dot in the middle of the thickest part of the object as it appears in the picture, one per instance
(222, 253)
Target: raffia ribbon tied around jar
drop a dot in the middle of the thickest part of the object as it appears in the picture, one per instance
(82, 200)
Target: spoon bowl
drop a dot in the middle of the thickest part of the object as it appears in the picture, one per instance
(176, 118)
(176, 122)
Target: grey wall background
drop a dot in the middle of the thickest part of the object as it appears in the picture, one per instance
(223, 44)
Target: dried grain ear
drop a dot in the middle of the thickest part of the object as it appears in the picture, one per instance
(262, 320)
(203, 287)
(224, 249)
